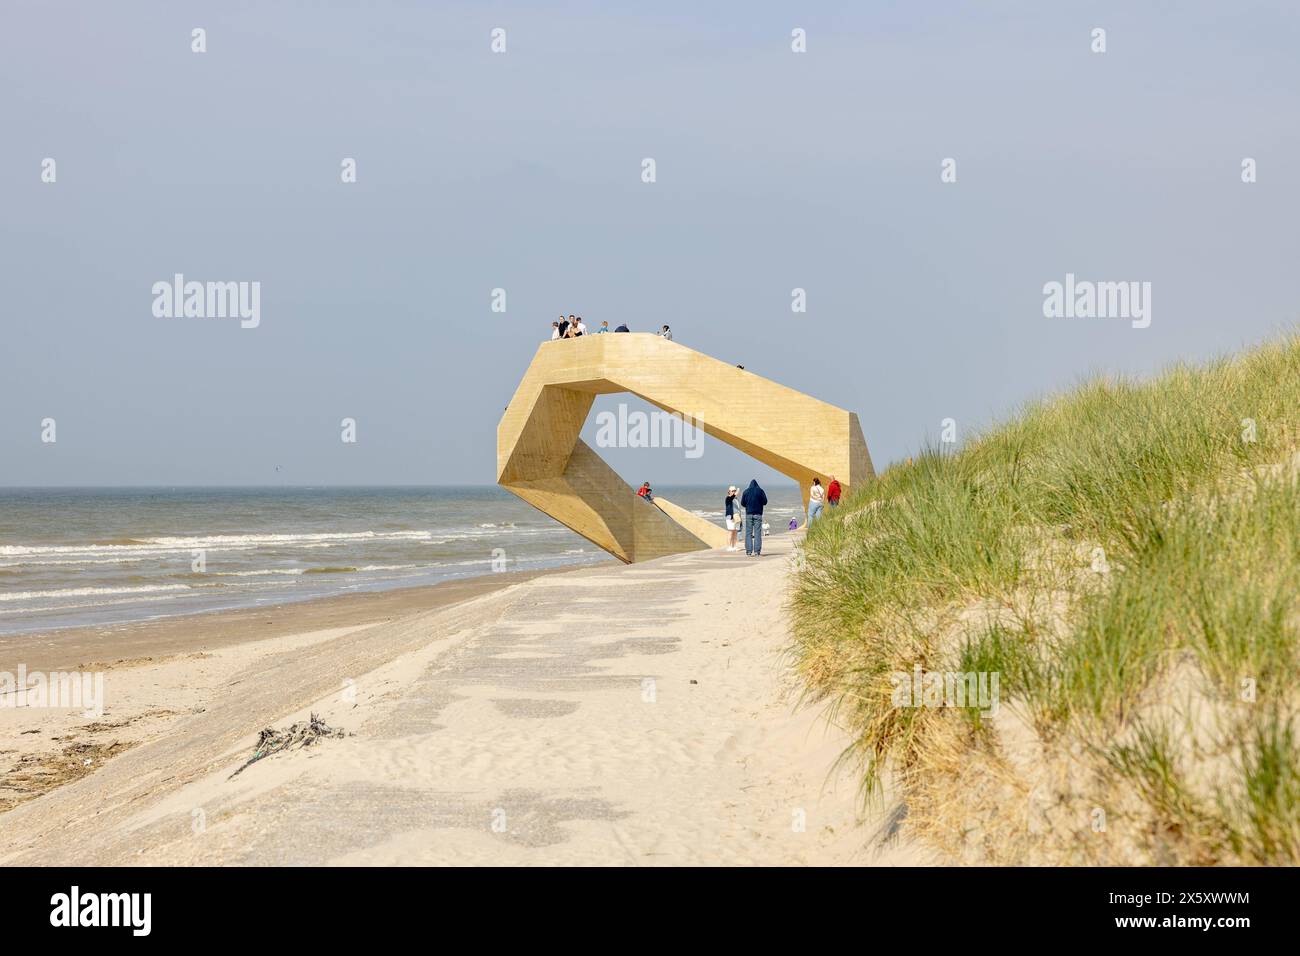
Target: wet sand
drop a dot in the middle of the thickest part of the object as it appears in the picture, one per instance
(97, 647)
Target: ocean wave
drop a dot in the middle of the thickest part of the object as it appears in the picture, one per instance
(217, 540)
(222, 542)
(163, 546)
(96, 551)
(322, 570)
(77, 561)
(253, 574)
(91, 592)
(33, 611)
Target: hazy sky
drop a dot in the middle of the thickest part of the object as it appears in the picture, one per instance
(522, 170)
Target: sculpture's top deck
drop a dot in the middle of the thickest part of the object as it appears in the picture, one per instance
(541, 458)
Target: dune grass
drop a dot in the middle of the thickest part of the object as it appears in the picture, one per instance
(1127, 558)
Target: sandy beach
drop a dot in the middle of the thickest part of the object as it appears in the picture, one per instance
(624, 715)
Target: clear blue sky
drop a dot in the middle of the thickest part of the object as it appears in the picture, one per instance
(775, 170)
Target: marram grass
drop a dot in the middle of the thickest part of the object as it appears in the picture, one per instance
(1126, 557)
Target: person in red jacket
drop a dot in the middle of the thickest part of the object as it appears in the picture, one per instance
(833, 493)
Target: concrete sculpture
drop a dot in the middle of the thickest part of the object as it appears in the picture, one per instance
(541, 459)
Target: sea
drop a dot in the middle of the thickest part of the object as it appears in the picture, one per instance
(106, 556)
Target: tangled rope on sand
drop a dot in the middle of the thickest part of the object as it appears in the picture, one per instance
(272, 741)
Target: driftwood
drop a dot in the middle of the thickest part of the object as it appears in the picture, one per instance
(272, 741)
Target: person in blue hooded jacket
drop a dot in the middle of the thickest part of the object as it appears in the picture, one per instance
(753, 501)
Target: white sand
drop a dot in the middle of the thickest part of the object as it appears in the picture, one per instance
(553, 722)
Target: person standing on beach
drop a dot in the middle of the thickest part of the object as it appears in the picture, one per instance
(555, 331)
(562, 325)
(833, 493)
(753, 501)
(816, 497)
(582, 326)
(732, 507)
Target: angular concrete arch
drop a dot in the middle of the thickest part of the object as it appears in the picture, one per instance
(542, 460)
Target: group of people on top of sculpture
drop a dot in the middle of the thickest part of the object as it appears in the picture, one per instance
(573, 327)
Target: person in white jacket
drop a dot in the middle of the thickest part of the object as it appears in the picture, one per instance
(816, 500)
(735, 516)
